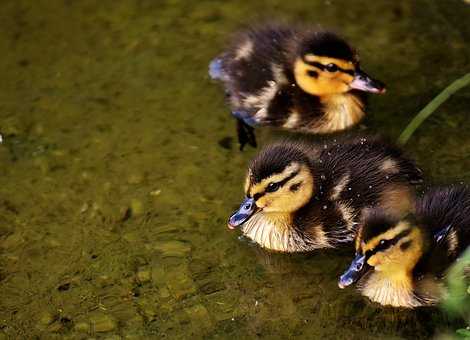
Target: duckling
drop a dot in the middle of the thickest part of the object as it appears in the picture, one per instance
(401, 261)
(292, 78)
(301, 196)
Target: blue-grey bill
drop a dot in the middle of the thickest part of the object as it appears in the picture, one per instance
(246, 210)
(354, 272)
(365, 83)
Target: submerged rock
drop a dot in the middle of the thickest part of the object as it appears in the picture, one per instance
(137, 207)
(144, 274)
(199, 316)
(46, 318)
(173, 281)
(113, 337)
(180, 282)
(173, 248)
(136, 321)
(135, 178)
(148, 307)
(55, 327)
(12, 241)
(83, 327)
(101, 322)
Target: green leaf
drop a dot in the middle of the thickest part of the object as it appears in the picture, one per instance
(432, 106)
(463, 332)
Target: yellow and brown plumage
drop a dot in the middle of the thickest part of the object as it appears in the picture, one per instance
(292, 78)
(302, 196)
(401, 261)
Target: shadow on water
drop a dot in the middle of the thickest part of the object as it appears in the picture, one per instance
(119, 168)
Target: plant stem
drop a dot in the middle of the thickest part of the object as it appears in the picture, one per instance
(432, 106)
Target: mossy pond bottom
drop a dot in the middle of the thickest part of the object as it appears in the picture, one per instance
(119, 168)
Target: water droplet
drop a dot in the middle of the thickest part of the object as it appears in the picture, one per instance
(349, 188)
(325, 207)
(370, 186)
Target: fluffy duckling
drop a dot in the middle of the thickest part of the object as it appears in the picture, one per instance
(401, 261)
(292, 78)
(301, 196)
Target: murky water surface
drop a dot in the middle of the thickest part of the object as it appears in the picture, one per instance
(119, 168)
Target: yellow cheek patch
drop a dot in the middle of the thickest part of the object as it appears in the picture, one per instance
(374, 261)
(287, 198)
(344, 64)
(263, 201)
(397, 263)
(415, 249)
(387, 261)
(347, 78)
(301, 68)
(279, 198)
(326, 83)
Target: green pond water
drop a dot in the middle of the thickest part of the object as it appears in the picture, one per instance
(119, 168)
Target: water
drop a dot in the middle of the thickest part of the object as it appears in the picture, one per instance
(120, 168)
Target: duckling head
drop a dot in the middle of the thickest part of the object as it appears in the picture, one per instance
(326, 65)
(388, 245)
(279, 182)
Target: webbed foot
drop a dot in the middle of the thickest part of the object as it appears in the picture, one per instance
(246, 134)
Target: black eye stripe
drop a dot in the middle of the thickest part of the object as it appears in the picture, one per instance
(280, 183)
(323, 67)
(316, 64)
(388, 243)
(288, 178)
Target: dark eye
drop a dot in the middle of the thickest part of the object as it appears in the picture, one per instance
(272, 187)
(382, 242)
(331, 68)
